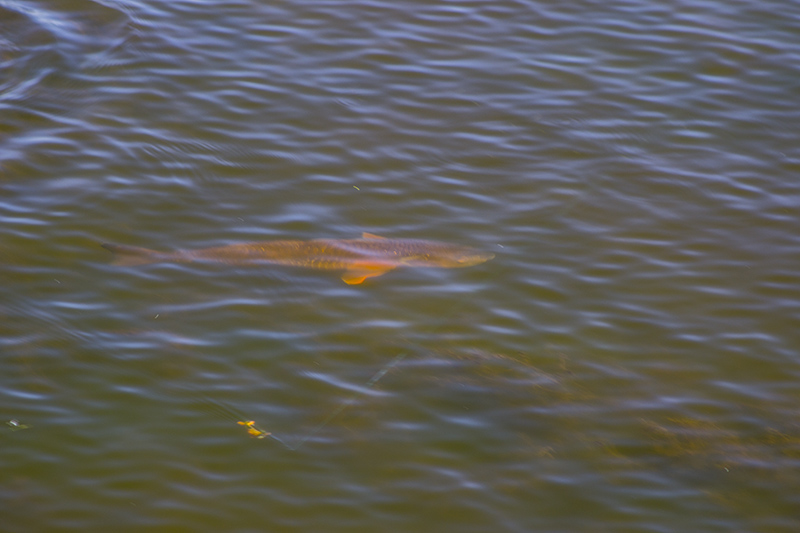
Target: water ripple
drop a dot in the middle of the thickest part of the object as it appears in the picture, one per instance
(629, 352)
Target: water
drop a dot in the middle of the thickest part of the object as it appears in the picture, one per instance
(627, 362)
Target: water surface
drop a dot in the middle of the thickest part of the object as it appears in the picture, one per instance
(627, 362)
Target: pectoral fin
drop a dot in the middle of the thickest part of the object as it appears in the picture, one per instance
(366, 235)
(357, 274)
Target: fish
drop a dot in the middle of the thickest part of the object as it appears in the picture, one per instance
(367, 257)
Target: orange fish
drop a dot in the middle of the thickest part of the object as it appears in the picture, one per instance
(360, 259)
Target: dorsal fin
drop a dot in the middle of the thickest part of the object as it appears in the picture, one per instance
(366, 235)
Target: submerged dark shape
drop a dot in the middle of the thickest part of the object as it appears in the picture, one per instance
(360, 259)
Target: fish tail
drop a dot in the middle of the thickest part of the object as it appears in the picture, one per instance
(132, 255)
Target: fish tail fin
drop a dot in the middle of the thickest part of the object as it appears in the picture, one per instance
(132, 255)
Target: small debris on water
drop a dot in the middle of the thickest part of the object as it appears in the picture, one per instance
(16, 426)
(252, 430)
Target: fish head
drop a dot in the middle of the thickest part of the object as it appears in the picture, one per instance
(472, 257)
(448, 257)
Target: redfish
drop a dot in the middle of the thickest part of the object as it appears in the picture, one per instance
(360, 259)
